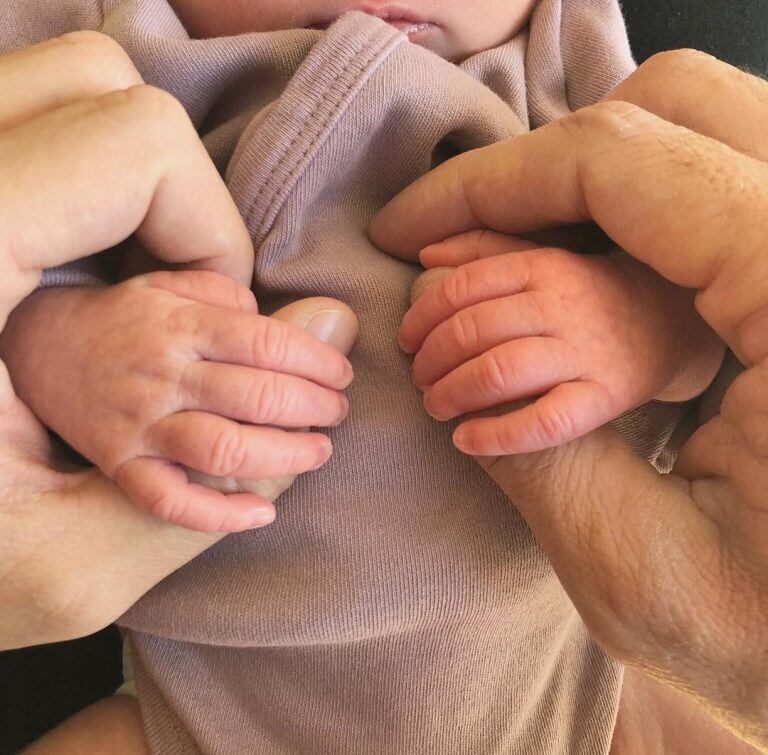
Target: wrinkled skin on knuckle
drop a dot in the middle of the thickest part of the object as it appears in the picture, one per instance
(270, 343)
(553, 426)
(227, 453)
(595, 125)
(673, 64)
(493, 376)
(464, 331)
(168, 507)
(455, 288)
(269, 399)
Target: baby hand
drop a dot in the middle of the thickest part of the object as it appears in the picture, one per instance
(178, 368)
(590, 336)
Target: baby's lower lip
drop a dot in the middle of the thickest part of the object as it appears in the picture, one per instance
(409, 27)
(413, 29)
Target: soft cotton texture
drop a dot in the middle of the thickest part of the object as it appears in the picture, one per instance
(399, 604)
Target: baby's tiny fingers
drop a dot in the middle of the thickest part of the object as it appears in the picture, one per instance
(204, 287)
(517, 369)
(475, 330)
(162, 489)
(473, 245)
(567, 412)
(468, 285)
(261, 397)
(221, 447)
(270, 344)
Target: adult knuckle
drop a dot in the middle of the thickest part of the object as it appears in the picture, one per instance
(103, 57)
(154, 102)
(674, 62)
(228, 453)
(610, 118)
(151, 114)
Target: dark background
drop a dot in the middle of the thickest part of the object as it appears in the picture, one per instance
(39, 687)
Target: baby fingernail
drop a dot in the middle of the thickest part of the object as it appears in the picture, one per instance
(460, 439)
(403, 344)
(324, 453)
(263, 516)
(344, 411)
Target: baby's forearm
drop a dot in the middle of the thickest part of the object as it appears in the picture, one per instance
(24, 344)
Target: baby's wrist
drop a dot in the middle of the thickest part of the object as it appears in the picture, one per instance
(36, 324)
(690, 353)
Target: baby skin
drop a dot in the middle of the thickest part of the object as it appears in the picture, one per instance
(177, 371)
(576, 339)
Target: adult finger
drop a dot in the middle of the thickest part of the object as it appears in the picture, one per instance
(704, 94)
(515, 370)
(649, 184)
(84, 177)
(269, 344)
(260, 397)
(163, 490)
(220, 447)
(60, 71)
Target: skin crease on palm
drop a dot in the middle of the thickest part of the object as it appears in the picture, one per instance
(454, 29)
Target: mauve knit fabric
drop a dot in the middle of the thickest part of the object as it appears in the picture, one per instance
(399, 604)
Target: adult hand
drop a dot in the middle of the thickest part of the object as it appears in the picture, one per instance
(670, 573)
(89, 155)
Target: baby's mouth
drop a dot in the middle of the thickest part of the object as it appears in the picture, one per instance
(402, 21)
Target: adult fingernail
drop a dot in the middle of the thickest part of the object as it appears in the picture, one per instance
(332, 327)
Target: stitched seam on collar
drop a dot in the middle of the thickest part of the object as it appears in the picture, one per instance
(312, 132)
